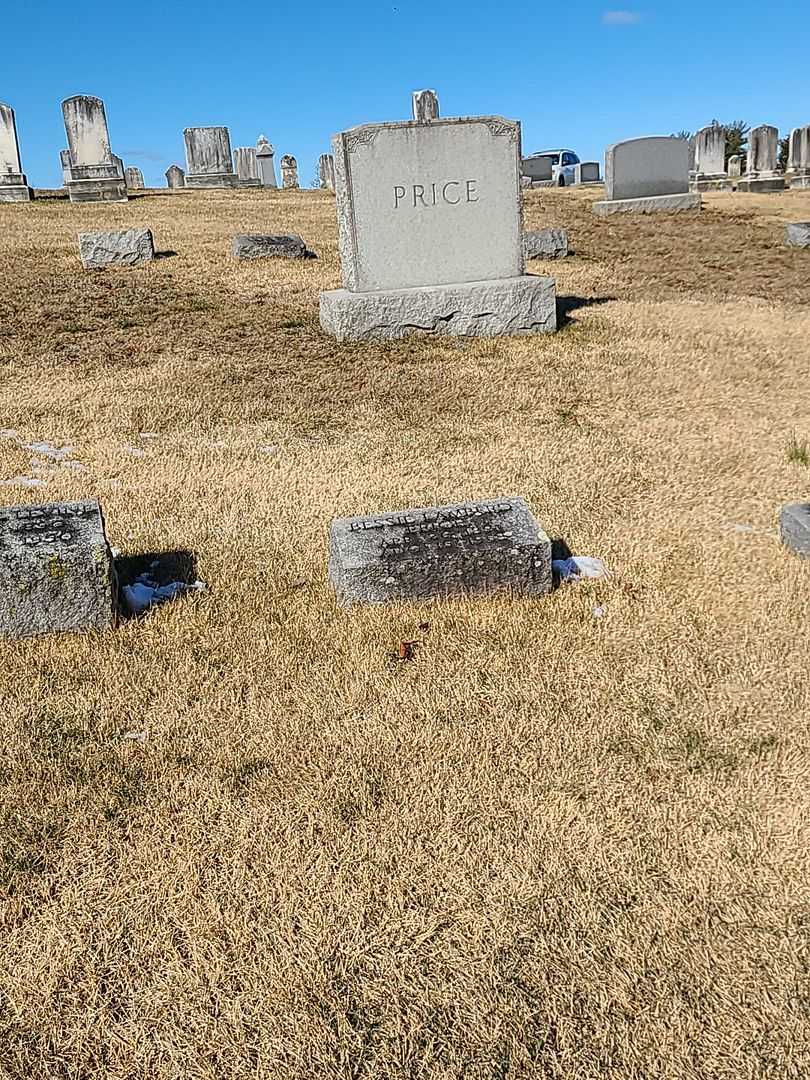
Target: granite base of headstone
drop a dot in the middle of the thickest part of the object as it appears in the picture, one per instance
(56, 571)
(653, 204)
(794, 528)
(761, 185)
(429, 230)
(545, 244)
(129, 247)
(465, 549)
(257, 246)
(797, 234)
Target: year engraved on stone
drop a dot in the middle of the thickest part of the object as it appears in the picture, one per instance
(451, 192)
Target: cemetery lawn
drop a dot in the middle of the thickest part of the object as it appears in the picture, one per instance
(240, 838)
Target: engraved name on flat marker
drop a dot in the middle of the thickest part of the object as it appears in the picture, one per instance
(468, 548)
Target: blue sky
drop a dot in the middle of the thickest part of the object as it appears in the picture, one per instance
(577, 73)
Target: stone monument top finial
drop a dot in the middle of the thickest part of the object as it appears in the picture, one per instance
(425, 105)
(263, 146)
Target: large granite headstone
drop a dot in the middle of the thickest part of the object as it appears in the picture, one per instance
(647, 175)
(264, 161)
(13, 184)
(209, 163)
(761, 175)
(429, 228)
(799, 158)
(56, 569)
(464, 549)
(175, 177)
(710, 160)
(95, 174)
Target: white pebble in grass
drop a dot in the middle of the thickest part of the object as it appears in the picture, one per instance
(23, 481)
(135, 736)
(270, 450)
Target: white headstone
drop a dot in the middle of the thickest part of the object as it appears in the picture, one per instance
(429, 204)
(264, 160)
(326, 171)
(639, 168)
(734, 165)
(95, 173)
(710, 151)
(245, 162)
(799, 157)
(209, 162)
(429, 228)
(13, 184)
(763, 150)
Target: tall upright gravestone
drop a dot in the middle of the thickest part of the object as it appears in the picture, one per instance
(13, 184)
(326, 171)
(94, 173)
(134, 178)
(209, 162)
(289, 171)
(799, 158)
(429, 228)
(264, 162)
(710, 160)
(247, 168)
(761, 174)
(175, 177)
(647, 175)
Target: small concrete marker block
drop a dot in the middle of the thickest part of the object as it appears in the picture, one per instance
(127, 248)
(464, 549)
(794, 528)
(798, 234)
(256, 246)
(545, 244)
(56, 569)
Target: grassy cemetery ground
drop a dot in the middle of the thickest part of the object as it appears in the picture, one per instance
(570, 837)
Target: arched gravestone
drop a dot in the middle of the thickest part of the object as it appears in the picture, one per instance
(209, 163)
(710, 160)
(647, 175)
(13, 184)
(175, 177)
(799, 158)
(93, 172)
(134, 178)
(326, 171)
(761, 175)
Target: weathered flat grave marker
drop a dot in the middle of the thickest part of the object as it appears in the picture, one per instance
(467, 548)
(794, 528)
(258, 246)
(56, 569)
(129, 247)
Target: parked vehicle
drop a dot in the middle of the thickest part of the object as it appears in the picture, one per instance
(556, 166)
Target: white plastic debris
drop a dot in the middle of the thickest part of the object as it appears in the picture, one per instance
(145, 592)
(23, 481)
(578, 567)
(598, 611)
(135, 736)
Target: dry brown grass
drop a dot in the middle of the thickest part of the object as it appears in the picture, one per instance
(551, 845)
